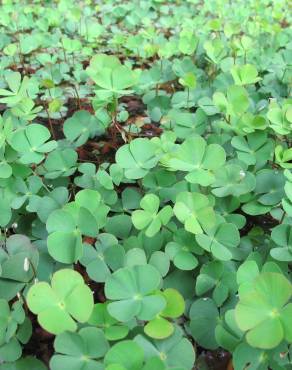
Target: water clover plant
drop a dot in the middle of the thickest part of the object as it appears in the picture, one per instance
(197, 158)
(83, 216)
(77, 350)
(15, 328)
(195, 211)
(137, 158)
(18, 263)
(31, 143)
(111, 77)
(260, 310)
(56, 304)
(149, 217)
(113, 329)
(133, 291)
(145, 185)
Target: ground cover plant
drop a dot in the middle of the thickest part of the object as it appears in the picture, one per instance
(145, 185)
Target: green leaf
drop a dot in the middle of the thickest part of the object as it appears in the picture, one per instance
(197, 158)
(204, 318)
(175, 351)
(100, 317)
(133, 290)
(220, 241)
(60, 163)
(57, 306)
(233, 180)
(32, 142)
(79, 350)
(244, 75)
(195, 212)
(282, 236)
(127, 354)
(137, 158)
(262, 310)
(158, 328)
(149, 217)
(82, 126)
(105, 256)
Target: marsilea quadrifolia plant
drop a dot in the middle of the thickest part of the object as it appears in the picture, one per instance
(145, 185)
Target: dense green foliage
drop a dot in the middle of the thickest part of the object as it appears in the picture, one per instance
(145, 184)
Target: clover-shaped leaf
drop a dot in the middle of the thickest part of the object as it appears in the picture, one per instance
(137, 158)
(26, 109)
(150, 218)
(194, 210)
(218, 277)
(244, 75)
(280, 117)
(188, 42)
(233, 180)
(125, 355)
(220, 240)
(15, 328)
(182, 250)
(235, 103)
(31, 142)
(64, 240)
(158, 259)
(17, 89)
(25, 191)
(80, 350)
(197, 158)
(255, 148)
(111, 77)
(283, 156)
(175, 351)
(9, 320)
(113, 329)
(81, 126)
(60, 163)
(268, 191)
(215, 50)
(17, 265)
(287, 202)
(133, 290)
(58, 305)
(105, 256)
(263, 311)
(282, 236)
(109, 74)
(46, 204)
(85, 216)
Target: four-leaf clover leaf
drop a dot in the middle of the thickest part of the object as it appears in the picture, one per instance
(150, 218)
(58, 305)
(263, 311)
